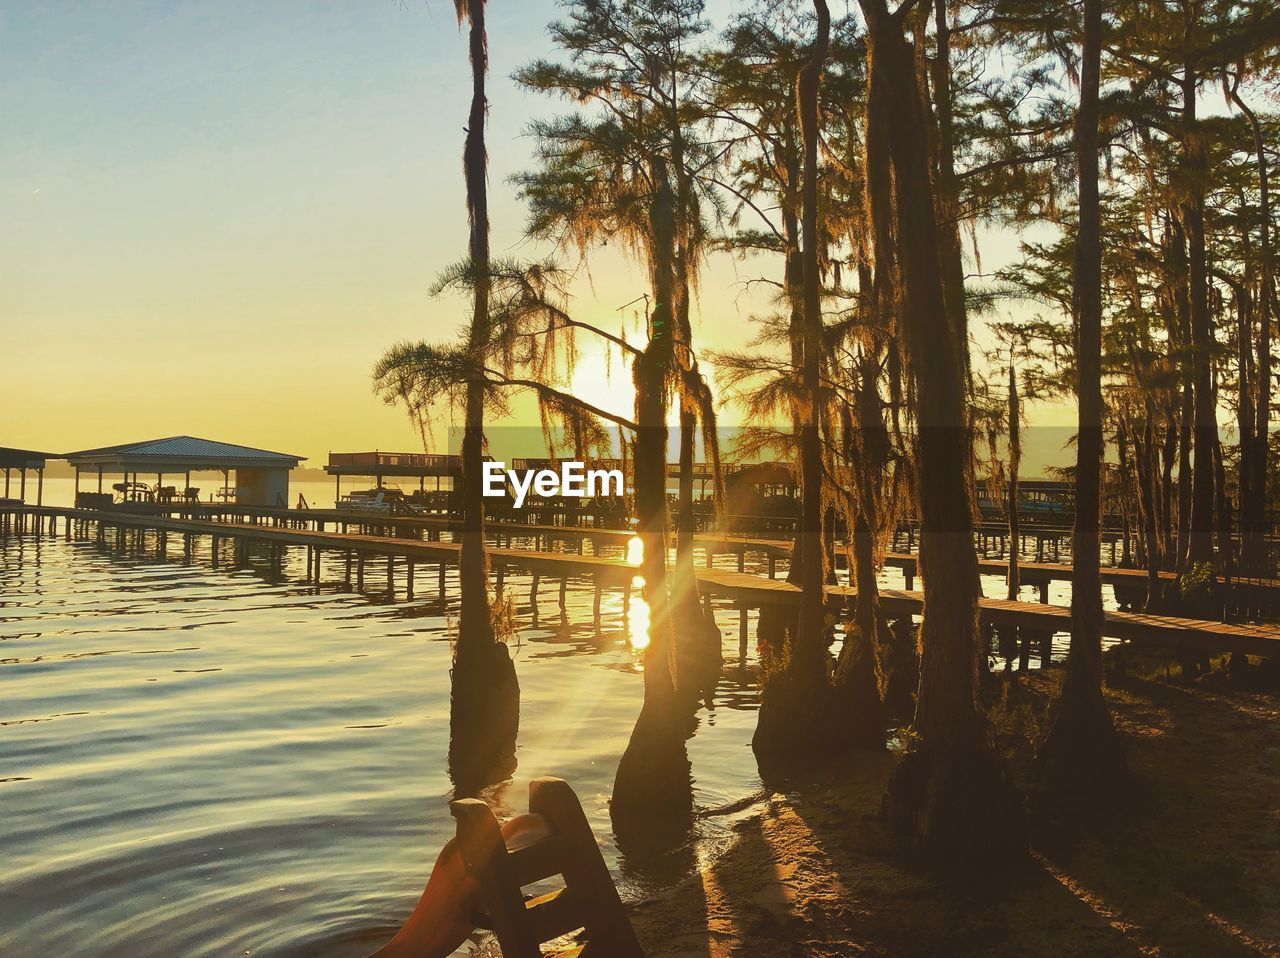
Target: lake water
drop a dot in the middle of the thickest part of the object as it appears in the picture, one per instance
(200, 762)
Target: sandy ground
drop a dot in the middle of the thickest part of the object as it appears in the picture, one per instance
(1187, 864)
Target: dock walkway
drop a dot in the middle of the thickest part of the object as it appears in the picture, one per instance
(745, 590)
(1131, 583)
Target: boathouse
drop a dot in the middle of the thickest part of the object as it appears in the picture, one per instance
(22, 461)
(261, 476)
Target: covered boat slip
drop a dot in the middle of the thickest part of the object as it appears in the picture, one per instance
(379, 466)
(23, 461)
(261, 476)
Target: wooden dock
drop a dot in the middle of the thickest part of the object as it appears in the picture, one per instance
(744, 590)
(1130, 583)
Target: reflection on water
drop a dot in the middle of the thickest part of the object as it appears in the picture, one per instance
(215, 762)
(635, 550)
(205, 762)
(638, 620)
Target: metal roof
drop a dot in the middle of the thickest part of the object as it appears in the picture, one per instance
(11, 458)
(183, 450)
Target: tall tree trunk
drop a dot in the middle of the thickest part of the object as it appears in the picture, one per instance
(949, 795)
(796, 698)
(1246, 422)
(865, 673)
(1222, 510)
(1009, 632)
(778, 622)
(1015, 460)
(1179, 277)
(948, 198)
(807, 654)
(947, 202)
(1081, 752)
(697, 638)
(1169, 538)
(485, 700)
(1206, 424)
(1148, 496)
(476, 627)
(1126, 483)
(652, 791)
(1253, 512)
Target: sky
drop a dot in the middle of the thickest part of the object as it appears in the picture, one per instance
(218, 214)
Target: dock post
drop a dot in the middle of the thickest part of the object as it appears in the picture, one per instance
(626, 602)
(564, 585)
(213, 550)
(909, 576)
(742, 559)
(595, 604)
(500, 573)
(348, 573)
(408, 572)
(359, 571)
(391, 577)
(773, 566)
(742, 633)
(442, 580)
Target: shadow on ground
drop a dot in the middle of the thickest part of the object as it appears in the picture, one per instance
(1187, 864)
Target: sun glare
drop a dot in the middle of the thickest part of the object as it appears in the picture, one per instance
(603, 383)
(635, 551)
(638, 621)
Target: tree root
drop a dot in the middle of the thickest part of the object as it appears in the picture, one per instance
(956, 805)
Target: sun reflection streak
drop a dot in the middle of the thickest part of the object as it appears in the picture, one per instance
(635, 551)
(1132, 931)
(638, 621)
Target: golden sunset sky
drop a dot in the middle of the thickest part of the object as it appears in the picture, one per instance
(218, 214)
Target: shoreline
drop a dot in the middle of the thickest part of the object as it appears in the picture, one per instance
(1168, 873)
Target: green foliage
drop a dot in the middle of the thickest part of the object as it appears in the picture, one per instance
(1196, 580)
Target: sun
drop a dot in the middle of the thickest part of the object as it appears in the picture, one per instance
(603, 381)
